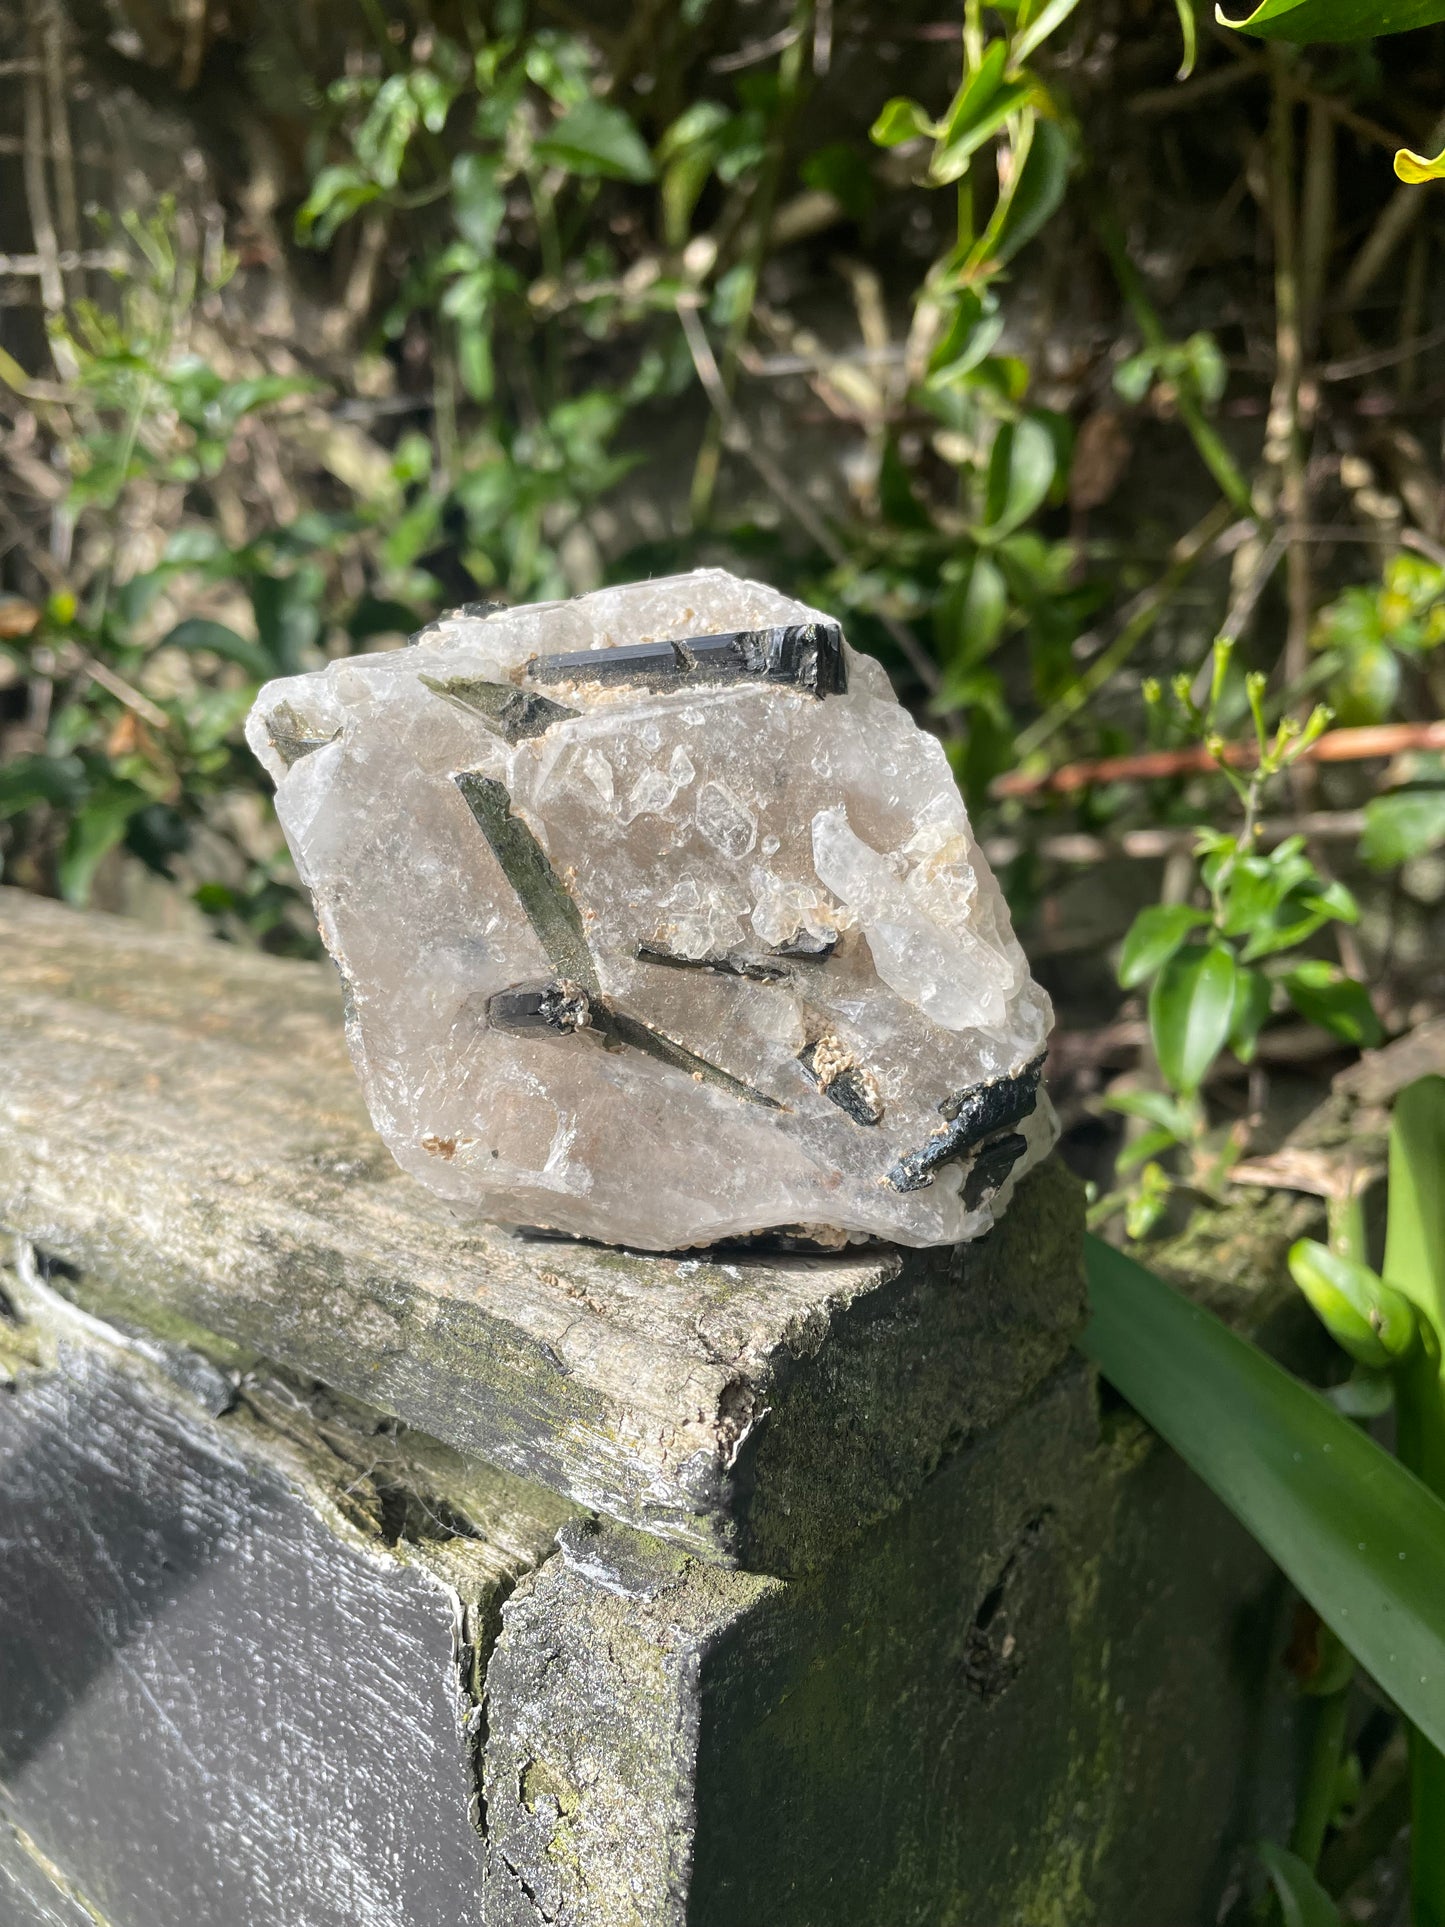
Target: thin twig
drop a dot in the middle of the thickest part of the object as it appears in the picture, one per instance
(42, 227)
(123, 692)
(1335, 746)
(1284, 443)
(740, 437)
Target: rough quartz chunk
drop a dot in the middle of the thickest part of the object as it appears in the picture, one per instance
(661, 922)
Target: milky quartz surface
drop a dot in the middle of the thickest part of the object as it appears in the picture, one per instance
(796, 964)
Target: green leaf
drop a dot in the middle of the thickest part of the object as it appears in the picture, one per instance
(595, 140)
(1154, 936)
(1158, 1106)
(1252, 993)
(1374, 1323)
(1148, 1145)
(1038, 192)
(972, 333)
(1189, 34)
(1035, 26)
(1303, 1902)
(1190, 1008)
(94, 831)
(1021, 467)
(980, 107)
(288, 619)
(1332, 20)
(1324, 995)
(197, 632)
(1362, 1538)
(478, 204)
(1402, 826)
(1417, 168)
(982, 612)
(336, 195)
(28, 780)
(901, 120)
(1415, 1228)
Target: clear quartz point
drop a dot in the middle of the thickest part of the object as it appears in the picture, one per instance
(661, 922)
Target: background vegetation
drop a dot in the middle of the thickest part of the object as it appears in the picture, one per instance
(1103, 404)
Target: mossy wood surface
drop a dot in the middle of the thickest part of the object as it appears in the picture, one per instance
(180, 1123)
(1039, 1696)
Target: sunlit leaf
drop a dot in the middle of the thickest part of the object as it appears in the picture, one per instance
(1332, 20)
(1154, 936)
(1324, 995)
(1415, 1230)
(593, 139)
(1190, 1009)
(1021, 469)
(1250, 1012)
(1036, 195)
(1374, 1323)
(1362, 1538)
(901, 120)
(1036, 24)
(1401, 826)
(198, 632)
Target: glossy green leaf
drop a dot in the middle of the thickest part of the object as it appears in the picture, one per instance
(1362, 1538)
(594, 140)
(1154, 936)
(1035, 195)
(982, 611)
(980, 108)
(1415, 1230)
(1324, 995)
(1303, 1902)
(1252, 994)
(1021, 469)
(972, 333)
(1035, 24)
(1190, 1009)
(1189, 36)
(197, 632)
(901, 120)
(1334, 20)
(1401, 826)
(1374, 1323)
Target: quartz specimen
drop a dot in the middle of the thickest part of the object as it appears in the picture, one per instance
(661, 922)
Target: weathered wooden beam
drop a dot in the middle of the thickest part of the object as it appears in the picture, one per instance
(179, 1122)
(241, 1652)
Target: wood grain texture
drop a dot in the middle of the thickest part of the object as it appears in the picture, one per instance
(239, 1669)
(179, 1121)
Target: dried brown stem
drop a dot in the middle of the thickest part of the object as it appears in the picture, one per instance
(1335, 746)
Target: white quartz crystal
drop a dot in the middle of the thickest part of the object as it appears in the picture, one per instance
(679, 945)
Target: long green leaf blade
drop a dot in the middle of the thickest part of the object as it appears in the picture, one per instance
(1362, 1538)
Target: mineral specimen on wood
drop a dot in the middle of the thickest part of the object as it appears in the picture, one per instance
(661, 922)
